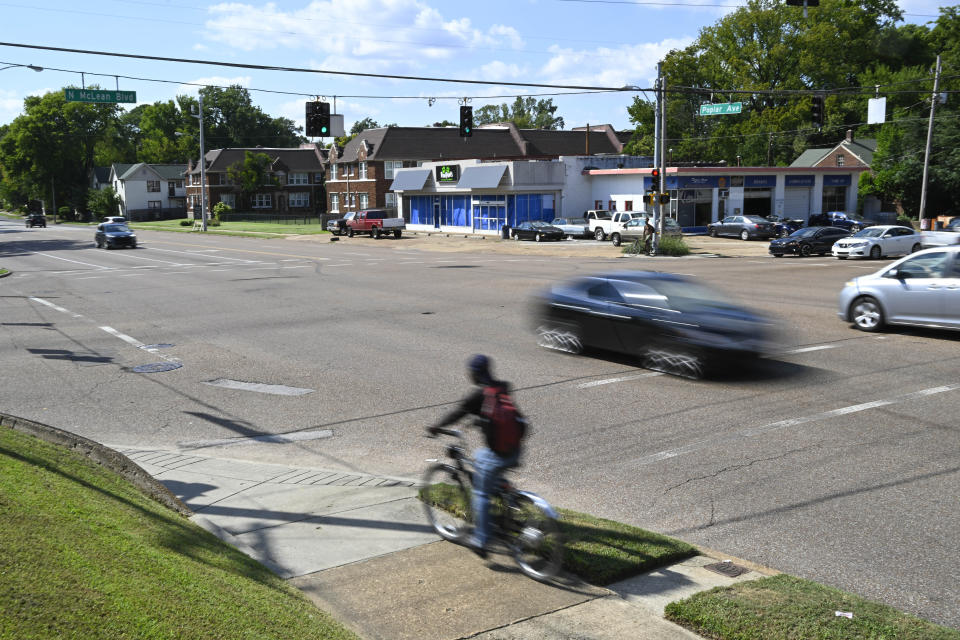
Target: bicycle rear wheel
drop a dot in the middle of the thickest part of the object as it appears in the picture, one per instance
(445, 494)
(536, 541)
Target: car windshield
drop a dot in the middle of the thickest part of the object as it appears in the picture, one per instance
(755, 219)
(803, 233)
(115, 227)
(869, 232)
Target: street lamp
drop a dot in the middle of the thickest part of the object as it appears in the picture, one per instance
(203, 163)
(28, 66)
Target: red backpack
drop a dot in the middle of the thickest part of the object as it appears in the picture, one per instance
(506, 427)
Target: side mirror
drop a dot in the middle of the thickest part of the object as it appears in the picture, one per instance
(896, 274)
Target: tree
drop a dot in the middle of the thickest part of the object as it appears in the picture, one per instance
(444, 123)
(526, 113)
(252, 174)
(103, 202)
(232, 120)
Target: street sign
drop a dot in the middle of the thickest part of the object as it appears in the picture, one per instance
(99, 95)
(722, 109)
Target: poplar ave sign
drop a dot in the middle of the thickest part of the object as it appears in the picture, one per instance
(721, 109)
(99, 95)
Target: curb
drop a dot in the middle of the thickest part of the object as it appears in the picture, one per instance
(5, 273)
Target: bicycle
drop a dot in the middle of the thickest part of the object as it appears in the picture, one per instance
(523, 521)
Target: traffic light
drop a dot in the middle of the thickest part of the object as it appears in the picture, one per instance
(318, 119)
(466, 122)
(655, 174)
(665, 197)
(650, 198)
(816, 111)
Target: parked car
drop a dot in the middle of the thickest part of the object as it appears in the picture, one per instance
(339, 226)
(879, 241)
(113, 236)
(633, 230)
(920, 289)
(572, 227)
(536, 230)
(850, 221)
(669, 322)
(785, 226)
(743, 227)
(376, 222)
(949, 235)
(604, 223)
(808, 241)
(36, 220)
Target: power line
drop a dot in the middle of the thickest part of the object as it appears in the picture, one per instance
(641, 3)
(260, 67)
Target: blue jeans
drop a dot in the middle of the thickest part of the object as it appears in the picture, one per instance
(487, 467)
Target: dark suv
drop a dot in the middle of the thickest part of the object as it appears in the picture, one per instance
(36, 220)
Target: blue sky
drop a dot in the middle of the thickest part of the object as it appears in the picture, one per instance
(603, 43)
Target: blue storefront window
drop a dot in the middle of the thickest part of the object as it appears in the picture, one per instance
(530, 206)
(421, 210)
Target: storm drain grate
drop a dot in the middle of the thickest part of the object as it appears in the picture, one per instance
(156, 367)
(727, 568)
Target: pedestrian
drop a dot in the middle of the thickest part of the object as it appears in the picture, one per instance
(648, 233)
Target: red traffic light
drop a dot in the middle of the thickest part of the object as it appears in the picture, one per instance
(655, 174)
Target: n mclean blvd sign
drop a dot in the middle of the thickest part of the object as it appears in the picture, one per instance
(720, 109)
(98, 95)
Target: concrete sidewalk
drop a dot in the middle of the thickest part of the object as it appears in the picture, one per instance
(360, 547)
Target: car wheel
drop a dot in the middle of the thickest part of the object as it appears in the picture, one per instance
(713, 232)
(397, 233)
(514, 235)
(560, 338)
(866, 314)
(682, 362)
(599, 234)
(875, 253)
(538, 238)
(349, 232)
(375, 233)
(616, 239)
(805, 250)
(98, 244)
(777, 255)
(915, 248)
(744, 235)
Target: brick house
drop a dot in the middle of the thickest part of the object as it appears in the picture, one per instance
(299, 173)
(360, 174)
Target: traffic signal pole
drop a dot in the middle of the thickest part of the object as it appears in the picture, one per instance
(659, 142)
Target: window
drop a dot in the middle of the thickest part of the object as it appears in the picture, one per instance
(153, 204)
(628, 205)
(613, 205)
(598, 204)
(932, 265)
(318, 177)
(298, 178)
(229, 199)
(334, 201)
(300, 199)
(353, 200)
(262, 201)
(840, 159)
(391, 200)
(153, 186)
(364, 200)
(390, 166)
(363, 170)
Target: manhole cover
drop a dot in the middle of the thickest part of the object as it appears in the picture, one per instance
(157, 367)
(162, 345)
(727, 568)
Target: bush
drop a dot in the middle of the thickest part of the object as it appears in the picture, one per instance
(186, 223)
(213, 222)
(906, 221)
(669, 246)
(221, 207)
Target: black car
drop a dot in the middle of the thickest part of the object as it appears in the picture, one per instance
(785, 226)
(113, 236)
(850, 221)
(671, 323)
(339, 226)
(807, 241)
(36, 220)
(743, 227)
(536, 230)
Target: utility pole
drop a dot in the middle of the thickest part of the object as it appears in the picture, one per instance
(203, 167)
(926, 155)
(659, 153)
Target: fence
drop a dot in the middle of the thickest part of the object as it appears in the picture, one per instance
(142, 215)
(277, 218)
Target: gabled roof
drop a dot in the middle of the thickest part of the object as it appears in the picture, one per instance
(162, 171)
(120, 168)
(810, 157)
(101, 174)
(861, 148)
(488, 143)
(294, 159)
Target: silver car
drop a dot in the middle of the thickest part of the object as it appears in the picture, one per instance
(572, 227)
(922, 289)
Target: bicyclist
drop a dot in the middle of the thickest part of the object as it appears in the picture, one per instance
(491, 460)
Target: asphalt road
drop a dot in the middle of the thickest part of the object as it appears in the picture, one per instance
(837, 460)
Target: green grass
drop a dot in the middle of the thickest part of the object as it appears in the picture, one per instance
(598, 551)
(3, 271)
(790, 608)
(244, 228)
(86, 555)
(669, 246)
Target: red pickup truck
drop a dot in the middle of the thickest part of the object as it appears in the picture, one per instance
(376, 222)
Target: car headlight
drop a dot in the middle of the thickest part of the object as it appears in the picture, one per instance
(850, 283)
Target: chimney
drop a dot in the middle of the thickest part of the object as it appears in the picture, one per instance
(849, 135)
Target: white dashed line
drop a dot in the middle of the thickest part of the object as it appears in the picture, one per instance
(96, 266)
(597, 383)
(58, 308)
(747, 433)
(816, 348)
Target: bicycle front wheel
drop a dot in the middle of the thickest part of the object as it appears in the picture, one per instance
(445, 494)
(537, 542)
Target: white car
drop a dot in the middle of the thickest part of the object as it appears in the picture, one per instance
(878, 242)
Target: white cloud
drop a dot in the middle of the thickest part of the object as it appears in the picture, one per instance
(608, 67)
(220, 81)
(500, 71)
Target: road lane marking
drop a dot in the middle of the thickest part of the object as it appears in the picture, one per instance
(808, 349)
(98, 266)
(782, 424)
(259, 387)
(58, 308)
(597, 383)
(197, 254)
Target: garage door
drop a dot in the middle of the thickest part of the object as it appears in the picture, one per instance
(796, 202)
